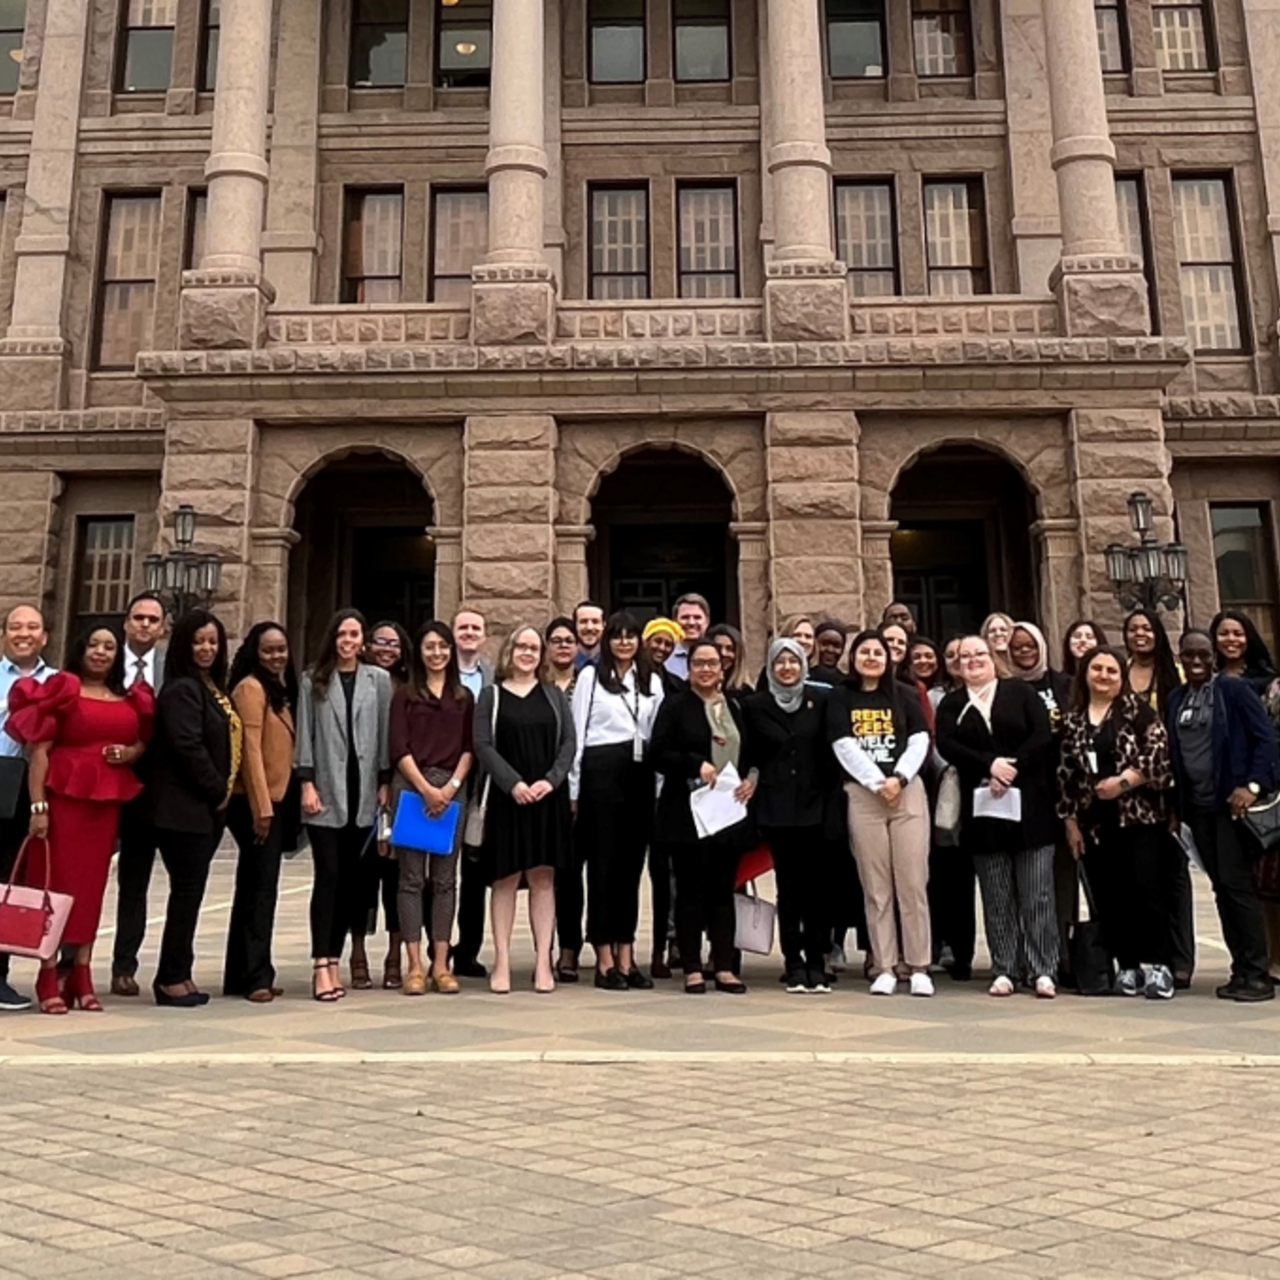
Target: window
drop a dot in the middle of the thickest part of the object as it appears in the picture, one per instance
(1243, 545)
(1182, 39)
(1203, 213)
(1131, 205)
(128, 279)
(956, 238)
(197, 219)
(209, 45)
(701, 29)
(13, 19)
(148, 45)
(943, 41)
(379, 43)
(619, 242)
(464, 45)
(372, 247)
(708, 242)
(460, 238)
(855, 39)
(104, 570)
(617, 41)
(1111, 42)
(866, 238)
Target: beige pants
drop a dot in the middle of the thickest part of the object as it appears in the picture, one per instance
(891, 847)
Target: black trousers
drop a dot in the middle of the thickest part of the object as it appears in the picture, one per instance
(13, 831)
(804, 894)
(615, 817)
(187, 858)
(1131, 871)
(248, 965)
(379, 880)
(473, 881)
(336, 902)
(1228, 858)
(570, 898)
(133, 883)
(659, 893)
(706, 872)
(1182, 922)
(952, 914)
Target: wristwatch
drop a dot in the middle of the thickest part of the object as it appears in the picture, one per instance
(902, 782)
(456, 783)
(1254, 789)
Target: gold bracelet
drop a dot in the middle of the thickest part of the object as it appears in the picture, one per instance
(39, 807)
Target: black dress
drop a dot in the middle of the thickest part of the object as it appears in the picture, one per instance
(519, 837)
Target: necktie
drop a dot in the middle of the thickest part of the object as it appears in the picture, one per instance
(140, 671)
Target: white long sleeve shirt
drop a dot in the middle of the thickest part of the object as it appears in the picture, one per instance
(603, 719)
(864, 770)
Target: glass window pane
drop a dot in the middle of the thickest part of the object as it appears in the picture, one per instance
(1239, 547)
(1211, 309)
(941, 33)
(379, 56)
(1202, 224)
(196, 232)
(10, 60)
(617, 54)
(708, 243)
(466, 53)
(13, 15)
(702, 52)
(127, 311)
(133, 238)
(1110, 41)
(1181, 42)
(153, 13)
(1129, 207)
(460, 240)
(105, 572)
(864, 226)
(855, 49)
(148, 58)
(873, 284)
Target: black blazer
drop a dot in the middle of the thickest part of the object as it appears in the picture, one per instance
(189, 762)
(796, 765)
(1020, 731)
(680, 745)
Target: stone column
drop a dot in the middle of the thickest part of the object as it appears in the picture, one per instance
(573, 582)
(806, 290)
(509, 504)
(33, 352)
(448, 540)
(225, 300)
(877, 568)
(1037, 232)
(290, 243)
(267, 594)
(1058, 542)
(754, 602)
(811, 469)
(1101, 289)
(513, 297)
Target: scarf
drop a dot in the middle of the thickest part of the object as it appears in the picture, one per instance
(982, 699)
(235, 727)
(789, 697)
(1042, 662)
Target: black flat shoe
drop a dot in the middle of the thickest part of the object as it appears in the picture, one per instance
(566, 974)
(1182, 982)
(659, 968)
(187, 1000)
(614, 980)
(695, 988)
(734, 988)
(464, 967)
(1255, 992)
(637, 981)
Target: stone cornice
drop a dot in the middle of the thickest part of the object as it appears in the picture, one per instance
(1228, 405)
(80, 421)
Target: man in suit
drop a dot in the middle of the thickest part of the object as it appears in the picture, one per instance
(25, 637)
(469, 634)
(144, 627)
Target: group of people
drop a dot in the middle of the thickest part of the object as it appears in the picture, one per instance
(881, 775)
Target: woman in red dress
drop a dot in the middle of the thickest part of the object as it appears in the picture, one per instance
(83, 732)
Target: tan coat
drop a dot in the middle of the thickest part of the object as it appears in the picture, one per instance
(268, 748)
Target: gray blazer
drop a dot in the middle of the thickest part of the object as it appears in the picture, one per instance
(495, 766)
(323, 746)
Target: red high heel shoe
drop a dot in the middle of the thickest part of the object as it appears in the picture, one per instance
(78, 990)
(47, 992)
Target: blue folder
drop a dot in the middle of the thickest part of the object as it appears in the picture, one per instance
(413, 828)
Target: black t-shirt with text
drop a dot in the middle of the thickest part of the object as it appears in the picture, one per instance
(869, 719)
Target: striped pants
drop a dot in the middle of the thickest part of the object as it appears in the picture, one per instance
(1019, 913)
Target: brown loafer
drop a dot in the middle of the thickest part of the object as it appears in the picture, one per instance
(415, 984)
(263, 995)
(123, 985)
(445, 984)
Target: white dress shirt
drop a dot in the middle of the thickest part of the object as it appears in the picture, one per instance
(602, 719)
(133, 672)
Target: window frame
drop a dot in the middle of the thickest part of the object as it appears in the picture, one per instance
(126, 31)
(194, 197)
(593, 22)
(974, 183)
(1120, 9)
(21, 33)
(1205, 10)
(353, 198)
(889, 185)
(694, 184)
(441, 26)
(210, 37)
(433, 276)
(1139, 180)
(600, 188)
(1238, 278)
(1267, 571)
(101, 282)
(677, 23)
(881, 21)
(357, 27)
(79, 619)
(939, 8)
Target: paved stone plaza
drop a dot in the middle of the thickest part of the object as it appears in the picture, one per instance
(628, 1136)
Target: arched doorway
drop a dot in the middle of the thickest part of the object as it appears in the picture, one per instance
(362, 526)
(963, 545)
(662, 529)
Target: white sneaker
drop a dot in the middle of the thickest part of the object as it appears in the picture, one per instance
(1045, 988)
(1002, 986)
(837, 961)
(1130, 982)
(1159, 983)
(885, 985)
(921, 984)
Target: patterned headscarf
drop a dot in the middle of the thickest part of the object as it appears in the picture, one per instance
(789, 697)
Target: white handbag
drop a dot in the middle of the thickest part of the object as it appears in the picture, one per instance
(755, 921)
(473, 824)
(946, 813)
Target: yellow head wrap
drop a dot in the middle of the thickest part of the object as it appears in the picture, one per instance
(663, 626)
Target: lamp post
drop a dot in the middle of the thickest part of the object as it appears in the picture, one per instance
(183, 577)
(1149, 575)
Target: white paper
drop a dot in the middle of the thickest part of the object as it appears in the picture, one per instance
(1188, 843)
(716, 808)
(1007, 807)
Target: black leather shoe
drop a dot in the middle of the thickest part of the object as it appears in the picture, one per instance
(464, 967)
(659, 968)
(1228, 990)
(734, 988)
(637, 981)
(614, 980)
(695, 988)
(187, 1000)
(566, 973)
(1255, 992)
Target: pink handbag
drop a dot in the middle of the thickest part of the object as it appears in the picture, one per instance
(32, 920)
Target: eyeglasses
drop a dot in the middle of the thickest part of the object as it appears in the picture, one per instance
(526, 648)
(562, 640)
(385, 644)
(706, 664)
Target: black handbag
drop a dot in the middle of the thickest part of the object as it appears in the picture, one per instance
(13, 779)
(1091, 962)
(1263, 821)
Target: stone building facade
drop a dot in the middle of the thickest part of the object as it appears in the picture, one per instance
(428, 301)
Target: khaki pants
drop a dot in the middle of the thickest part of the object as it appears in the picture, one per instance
(891, 847)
